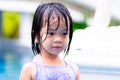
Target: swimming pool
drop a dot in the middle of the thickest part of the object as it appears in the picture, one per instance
(12, 58)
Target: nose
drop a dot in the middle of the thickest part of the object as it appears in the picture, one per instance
(58, 39)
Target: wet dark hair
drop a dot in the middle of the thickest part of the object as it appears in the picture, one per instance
(49, 8)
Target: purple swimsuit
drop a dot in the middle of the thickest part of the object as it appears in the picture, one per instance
(44, 72)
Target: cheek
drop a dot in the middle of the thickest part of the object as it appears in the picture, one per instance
(46, 43)
(67, 40)
(43, 37)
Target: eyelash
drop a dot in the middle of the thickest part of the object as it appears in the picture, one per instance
(65, 33)
(52, 33)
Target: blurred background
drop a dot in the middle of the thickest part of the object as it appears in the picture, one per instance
(95, 47)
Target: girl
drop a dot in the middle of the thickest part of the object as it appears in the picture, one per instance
(51, 34)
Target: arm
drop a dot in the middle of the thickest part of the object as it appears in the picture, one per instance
(77, 71)
(27, 72)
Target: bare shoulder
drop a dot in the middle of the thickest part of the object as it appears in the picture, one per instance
(28, 71)
(77, 71)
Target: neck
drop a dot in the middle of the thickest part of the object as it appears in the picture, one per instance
(51, 60)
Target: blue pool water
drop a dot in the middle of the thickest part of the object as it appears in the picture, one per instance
(12, 58)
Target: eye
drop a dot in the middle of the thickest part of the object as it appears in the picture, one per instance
(51, 33)
(65, 33)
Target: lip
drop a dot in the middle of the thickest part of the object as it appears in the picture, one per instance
(57, 47)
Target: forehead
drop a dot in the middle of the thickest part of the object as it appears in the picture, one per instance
(55, 19)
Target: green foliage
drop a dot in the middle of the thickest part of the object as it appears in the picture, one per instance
(114, 23)
(79, 25)
(10, 24)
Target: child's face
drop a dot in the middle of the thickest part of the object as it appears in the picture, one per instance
(57, 38)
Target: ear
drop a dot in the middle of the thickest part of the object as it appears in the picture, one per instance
(41, 34)
(37, 38)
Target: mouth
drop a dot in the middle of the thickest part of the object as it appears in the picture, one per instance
(57, 47)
